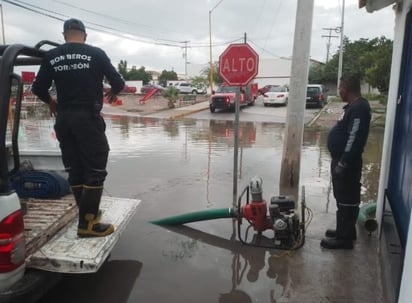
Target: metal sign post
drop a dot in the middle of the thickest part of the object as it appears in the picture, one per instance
(236, 146)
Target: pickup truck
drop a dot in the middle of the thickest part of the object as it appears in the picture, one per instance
(38, 237)
(225, 95)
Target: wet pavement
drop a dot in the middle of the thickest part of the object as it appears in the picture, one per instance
(184, 165)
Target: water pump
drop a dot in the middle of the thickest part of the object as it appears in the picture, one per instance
(277, 226)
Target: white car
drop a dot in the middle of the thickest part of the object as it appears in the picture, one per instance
(187, 88)
(277, 95)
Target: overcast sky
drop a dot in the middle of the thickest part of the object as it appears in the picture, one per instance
(156, 34)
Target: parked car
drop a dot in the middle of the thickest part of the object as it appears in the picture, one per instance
(315, 95)
(266, 88)
(146, 88)
(187, 88)
(276, 95)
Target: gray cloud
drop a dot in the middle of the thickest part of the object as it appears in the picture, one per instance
(157, 28)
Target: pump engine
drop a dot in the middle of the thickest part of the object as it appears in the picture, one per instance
(280, 218)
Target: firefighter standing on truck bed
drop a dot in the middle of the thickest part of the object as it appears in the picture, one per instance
(78, 70)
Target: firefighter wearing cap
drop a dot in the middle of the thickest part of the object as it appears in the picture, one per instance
(78, 70)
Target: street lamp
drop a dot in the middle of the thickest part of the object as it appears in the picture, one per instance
(211, 69)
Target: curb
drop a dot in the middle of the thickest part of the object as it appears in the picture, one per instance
(185, 113)
(315, 118)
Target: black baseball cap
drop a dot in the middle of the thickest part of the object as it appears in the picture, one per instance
(74, 24)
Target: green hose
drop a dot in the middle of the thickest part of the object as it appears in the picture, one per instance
(208, 214)
(366, 217)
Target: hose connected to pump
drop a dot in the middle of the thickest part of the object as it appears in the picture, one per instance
(279, 218)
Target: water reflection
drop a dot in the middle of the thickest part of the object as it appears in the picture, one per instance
(187, 143)
(248, 266)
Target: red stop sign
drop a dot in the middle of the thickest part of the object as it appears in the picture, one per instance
(238, 64)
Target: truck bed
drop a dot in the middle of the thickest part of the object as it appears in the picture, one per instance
(51, 234)
(44, 218)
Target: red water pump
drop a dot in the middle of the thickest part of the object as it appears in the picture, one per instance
(279, 220)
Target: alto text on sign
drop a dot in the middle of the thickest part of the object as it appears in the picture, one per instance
(238, 64)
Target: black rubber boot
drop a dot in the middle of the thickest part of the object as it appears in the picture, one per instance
(89, 222)
(336, 243)
(331, 233)
(344, 229)
(77, 191)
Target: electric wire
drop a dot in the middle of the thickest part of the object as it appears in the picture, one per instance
(263, 49)
(111, 30)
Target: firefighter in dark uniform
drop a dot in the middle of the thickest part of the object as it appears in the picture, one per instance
(346, 142)
(78, 71)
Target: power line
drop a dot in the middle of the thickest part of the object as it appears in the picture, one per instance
(106, 29)
(107, 16)
(102, 29)
(263, 49)
(336, 29)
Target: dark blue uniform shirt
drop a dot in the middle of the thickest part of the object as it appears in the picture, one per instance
(78, 70)
(347, 139)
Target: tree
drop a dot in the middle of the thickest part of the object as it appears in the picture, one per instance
(378, 72)
(200, 83)
(167, 76)
(133, 73)
(172, 94)
(139, 74)
(216, 76)
(369, 59)
(122, 68)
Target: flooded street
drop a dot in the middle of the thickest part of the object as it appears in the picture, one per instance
(176, 167)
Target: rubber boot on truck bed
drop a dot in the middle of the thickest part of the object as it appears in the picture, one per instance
(89, 222)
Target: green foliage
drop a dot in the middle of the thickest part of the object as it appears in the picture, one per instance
(369, 59)
(216, 76)
(383, 99)
(122, 68)
(134, 73)
(200, 82)
(171, 93)
(168, 76)
(378, 71)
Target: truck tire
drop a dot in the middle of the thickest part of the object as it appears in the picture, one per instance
(34, 284)
(212, 109)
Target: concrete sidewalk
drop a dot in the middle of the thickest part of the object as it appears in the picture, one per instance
(170, 114)
(176, 113)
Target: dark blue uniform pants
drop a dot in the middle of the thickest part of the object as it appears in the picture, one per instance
(84, 146)
(347, 190)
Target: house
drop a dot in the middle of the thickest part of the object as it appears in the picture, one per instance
(395, 190)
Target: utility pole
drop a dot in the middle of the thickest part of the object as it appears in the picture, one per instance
(2, 24)
(290, 167)
(341, 48)
(245, 38)
(329, 37)
(211, 68)
(185, 56)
